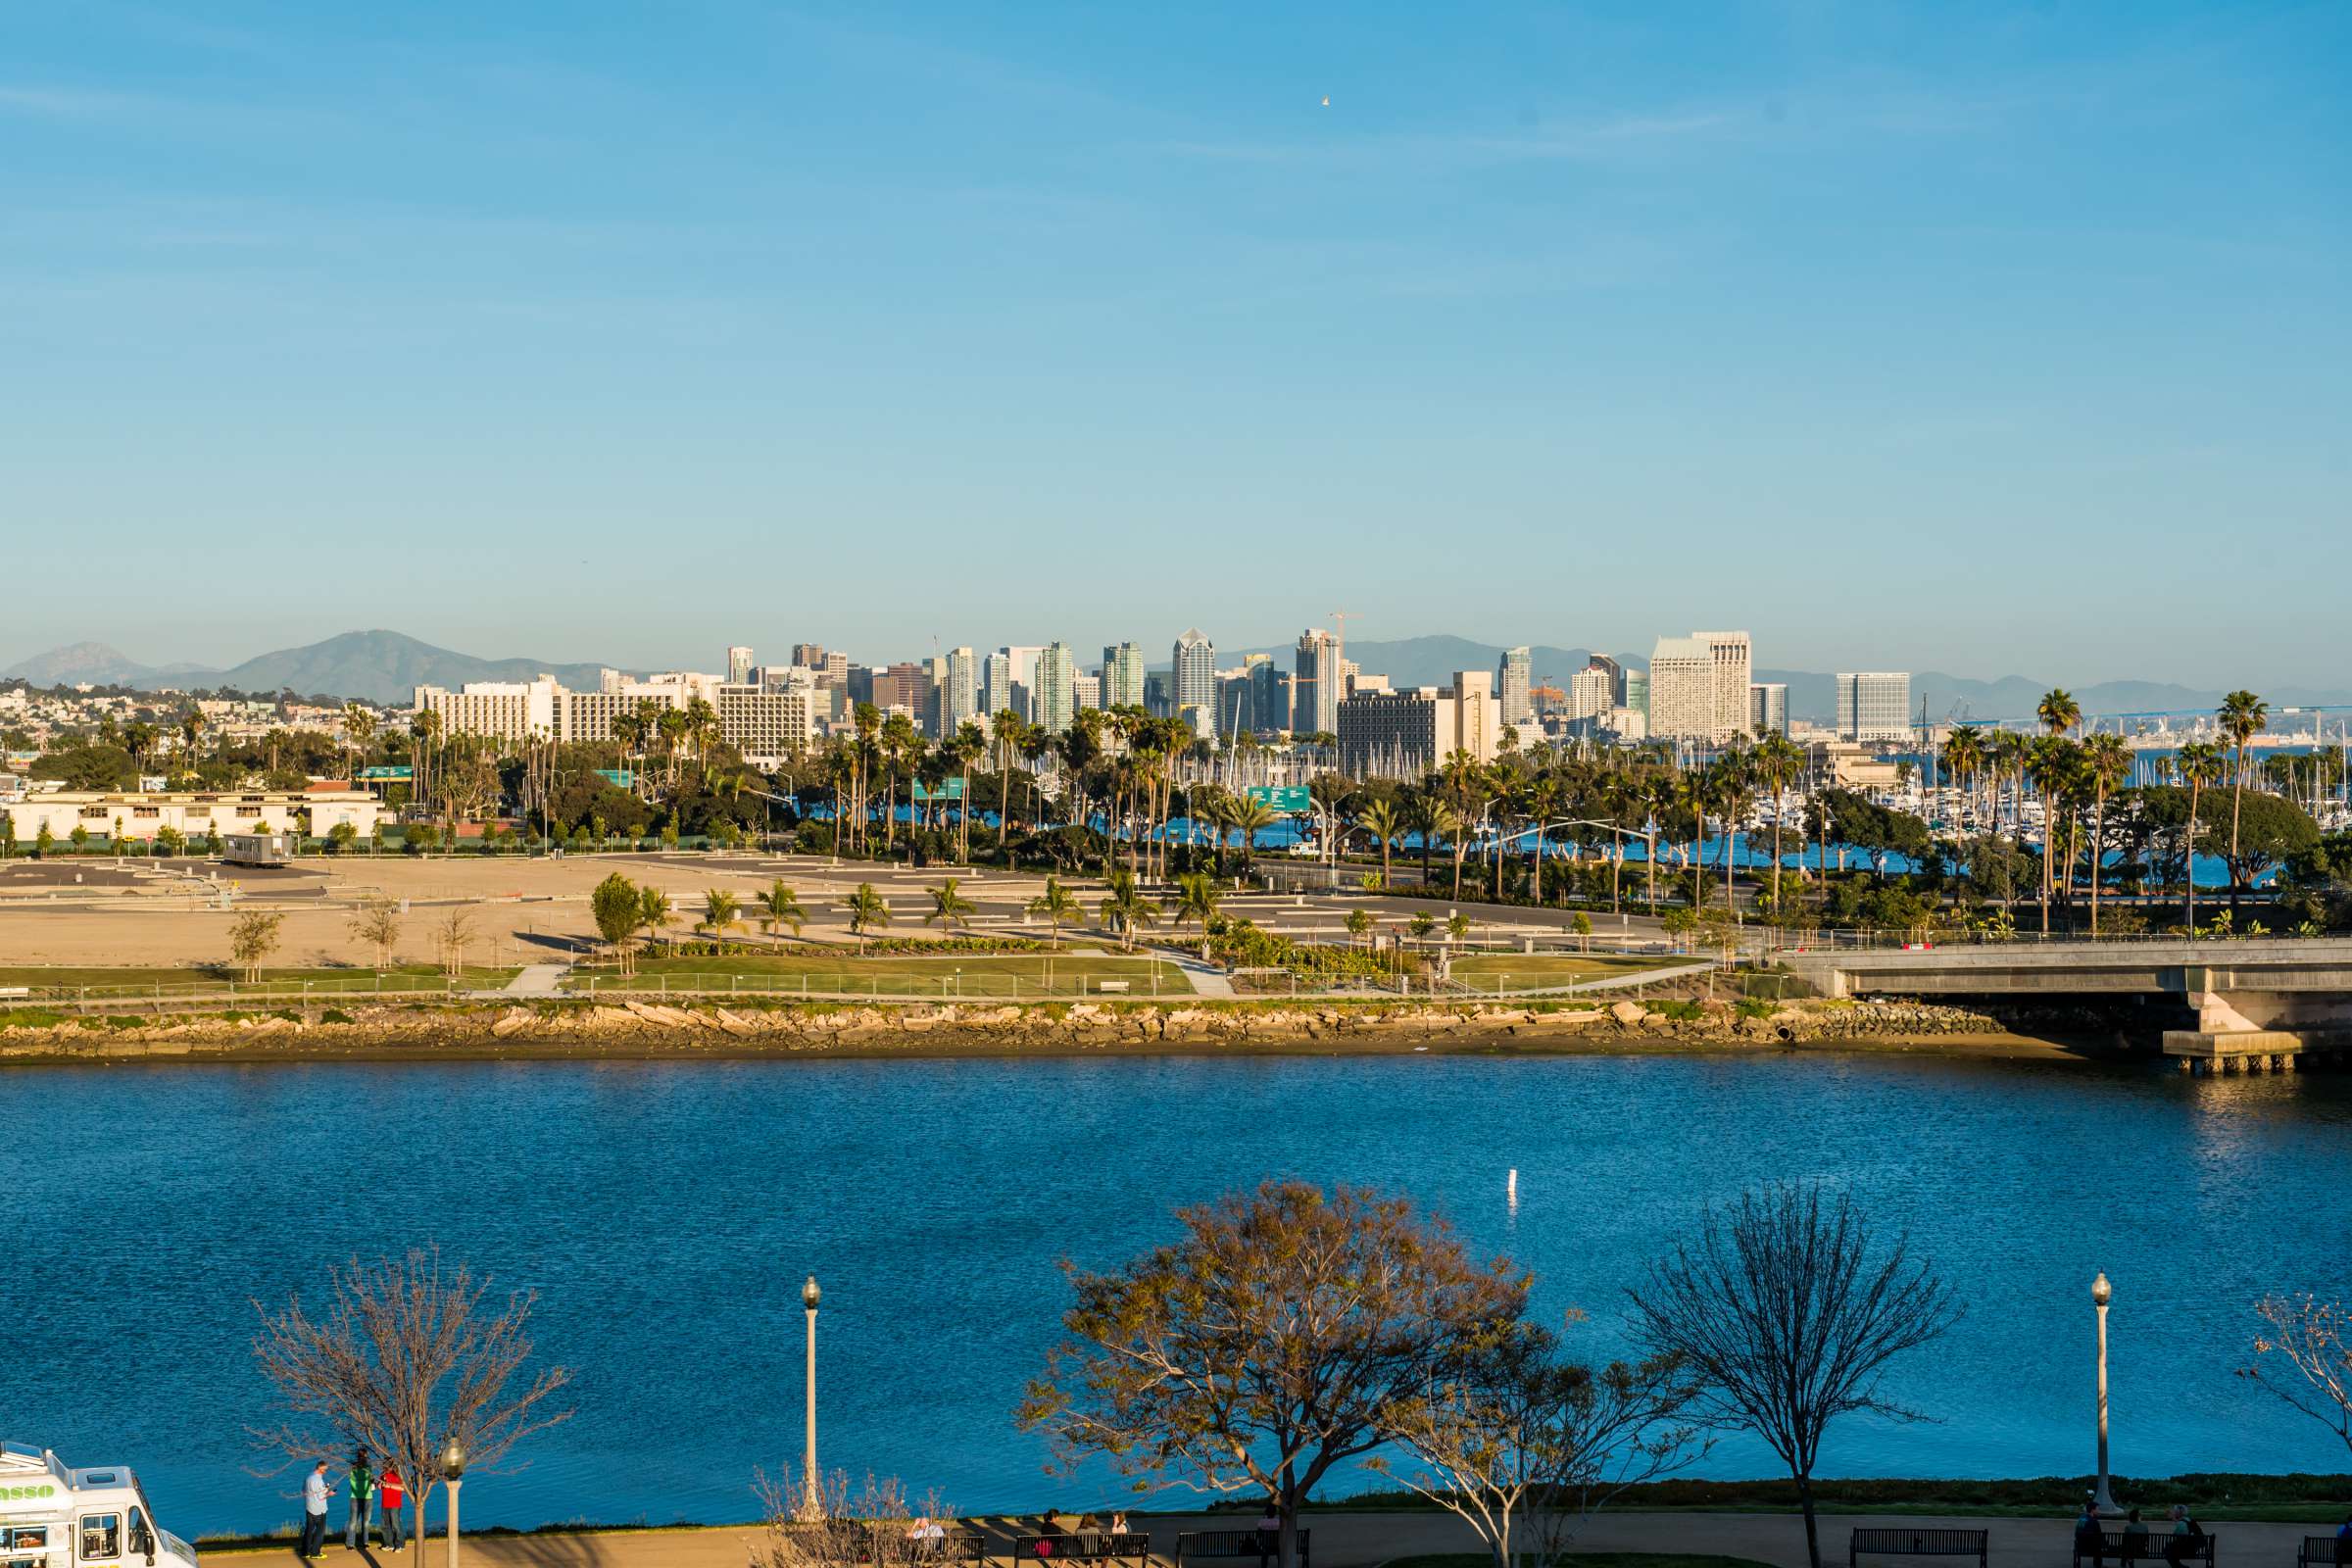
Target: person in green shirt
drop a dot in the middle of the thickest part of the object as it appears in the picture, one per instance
(361, 1484)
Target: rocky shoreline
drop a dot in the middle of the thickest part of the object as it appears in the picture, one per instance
(644, 1030)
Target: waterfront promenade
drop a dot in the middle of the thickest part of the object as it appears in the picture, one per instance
(1364, 1539)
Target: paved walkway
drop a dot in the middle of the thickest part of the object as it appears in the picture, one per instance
(1363, 1540)
(537, 980)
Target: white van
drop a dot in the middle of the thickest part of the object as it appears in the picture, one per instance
(53, 1517)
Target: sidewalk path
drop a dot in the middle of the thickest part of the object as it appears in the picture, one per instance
(1364, 1539)
(537, 980)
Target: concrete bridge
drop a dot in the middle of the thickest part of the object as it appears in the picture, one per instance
(2258, 1002)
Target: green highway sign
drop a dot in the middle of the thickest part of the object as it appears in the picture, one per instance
(1287, 799)
(623, 777)
(948, 790)
(400, 774)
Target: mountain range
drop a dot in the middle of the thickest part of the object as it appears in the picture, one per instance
(376, 666)
(385, 667)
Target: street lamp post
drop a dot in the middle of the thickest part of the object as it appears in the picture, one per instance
(453, 1471)
(2101, 1294)
(813, 1505)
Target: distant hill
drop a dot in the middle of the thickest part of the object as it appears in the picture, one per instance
(377, 667)
(96, 663)
(385, 667)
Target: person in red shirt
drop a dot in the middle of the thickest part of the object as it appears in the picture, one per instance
(391, 1496)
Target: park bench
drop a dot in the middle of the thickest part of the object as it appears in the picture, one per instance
(1083, 1545)
(1916, 1544)
(2150, 1549)
(15, 991)
(1112, 984)
(1258, 1546)
(2320, 1552)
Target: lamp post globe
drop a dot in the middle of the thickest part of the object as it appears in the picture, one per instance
(2101, 1293)
(453, 1471)
(812, 1497)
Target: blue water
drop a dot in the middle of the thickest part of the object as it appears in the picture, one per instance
(666, 1213)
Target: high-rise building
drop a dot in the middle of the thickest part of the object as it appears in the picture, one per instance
(1157, 688)
(1406, 734)
(1590, 694)
(739, 665)
(1022, 660)
(1698, 687)
(1511, 682)
(768, 724)
(1123, 676)
(1768, 709)
(498, 709)
(960, 692)
(1873, 705)
(1616, 673)
(1315, 684)
(1086, 692)
(1196, 671)
(1637, 693)
(1269, 697)
(996, 686)
(1053, 693)
(809, 655)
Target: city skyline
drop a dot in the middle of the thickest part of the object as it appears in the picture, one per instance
(1996, 332)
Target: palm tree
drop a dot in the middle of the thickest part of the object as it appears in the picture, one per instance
(2106, 760)
(2200, 768)
(2242, 715)
(1127, 910)
(1387, 824)
(1058, 905)
(2058, 711)
(2048, 764)
(779, 906)
(1008, 727)
(1197, 898)
(1778, 760)
(1423, 814)
(1250, 818)
(721, 909)
(1964, 755)
(652, 911)
(949, 906)
(1213, 809)
(867, 912)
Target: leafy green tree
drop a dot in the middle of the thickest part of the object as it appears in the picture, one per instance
(1359, 923)
(79, 837)
(252, 938)
(1257, 1353)
(1059, 906)
(619, 910)
(1197, 900)
(341, 837)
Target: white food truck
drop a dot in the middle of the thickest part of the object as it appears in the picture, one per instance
(53, 1517)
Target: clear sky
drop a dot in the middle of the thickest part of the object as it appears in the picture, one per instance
(1995, 338)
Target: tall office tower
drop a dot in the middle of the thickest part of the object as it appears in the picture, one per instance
(1086, 692)
(1269, 697)
(1023, 658)
(739, 667)
(996, 686)
(1616, 673)
(1196, 671)
(1637, 693)
(1510, 684)
(1053, 693)
(1590, 694)
(1158, 687)
(837, 668)
(809, 655)
(960, 692)
(1768, 707)
(1315, 685)
(1698, 686)
(1123, 676)
(1875, 705)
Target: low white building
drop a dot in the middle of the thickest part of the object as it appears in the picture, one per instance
(319, 808)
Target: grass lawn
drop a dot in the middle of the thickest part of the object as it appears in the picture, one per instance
(1554, 969)
(1583, 1559)
(135, 980)
(967, 974)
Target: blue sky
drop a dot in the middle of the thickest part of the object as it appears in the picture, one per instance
(1994, 338)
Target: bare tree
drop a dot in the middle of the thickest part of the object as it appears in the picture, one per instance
(870, 1526)
(1516, 1428)
(406, 1361)
(377, 922)
(1258, 1350)
(455, 931)
(252, 938)
(1780, 1311)
(2312, 1340)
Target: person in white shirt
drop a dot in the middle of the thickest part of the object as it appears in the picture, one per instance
(313, 1512)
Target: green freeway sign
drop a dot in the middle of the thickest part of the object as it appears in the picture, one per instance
(948, 790)
(383, 775)
(1287, 799)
